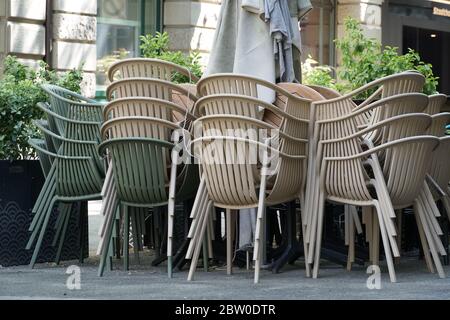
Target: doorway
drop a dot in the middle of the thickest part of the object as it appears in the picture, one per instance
(433, 47)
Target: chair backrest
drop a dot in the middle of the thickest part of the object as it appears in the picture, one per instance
(439, 124)
(145, 107)
(234, 164)
(147, 68)
(328, 126)
(77, 167)
(72, 105)
(404, 82)
(435, 103)
(397, 105)
(139, 169)
(325, 92)
(151, 88)
(405, 168)
(228, 83)
(138, 126)
(70, 128)
(348, 178)
(229, 164)
(246, 106)
(440, 168)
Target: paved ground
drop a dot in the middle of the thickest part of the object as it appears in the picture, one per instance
(144, 282)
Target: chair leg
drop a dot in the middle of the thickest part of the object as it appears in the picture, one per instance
(62, 212)
(229, 241)
(351, 245)
(171, 210)
(107, 240)
(135, 232)
(126, 238)
(375, 238)
(399, 214)
(63, 234)
(41, 218)
(423, 241)
(41, 234)
(303, 224)
(260, 220)
(319, 231)
(199, 242)
(384, 238)
(431, 241)
(205, 251)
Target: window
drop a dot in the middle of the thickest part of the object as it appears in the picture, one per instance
(119, 25)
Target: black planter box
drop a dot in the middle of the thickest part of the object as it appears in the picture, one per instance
(20, 184)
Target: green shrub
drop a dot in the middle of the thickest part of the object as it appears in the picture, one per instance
(19, 93)
(315, 74)
(364, 60)
(157, 46)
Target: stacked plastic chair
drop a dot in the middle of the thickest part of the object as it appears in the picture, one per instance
(71, 135)
(146, 104)
(230, 102)
(337, 118)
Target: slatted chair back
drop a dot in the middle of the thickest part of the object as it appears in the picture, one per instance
(231, 163)
(77, 173)
(72, 105)
(435, 103)
(227, 83)
(145, 107)
(439, 124)
(148, 68)
(397, 105)
(325, 92)
(138, 169)
(405, 82)
(153, 88)
(343, 177)
(88, 149)
(146, 87)
(439, 167)
(291, 124)
(248, 127)
(405, 167)
(84, 126)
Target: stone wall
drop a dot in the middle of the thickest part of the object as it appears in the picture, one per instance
(191, 24)
(22, 30)
(74, 37)
(368, 12)
(23, 33)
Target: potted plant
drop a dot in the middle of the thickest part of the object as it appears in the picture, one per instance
(21, 177)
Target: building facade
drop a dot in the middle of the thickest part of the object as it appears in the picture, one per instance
(94, 33)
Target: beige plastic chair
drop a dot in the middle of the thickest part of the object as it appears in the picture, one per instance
(232, 185)
(339, 127)
(344, 105)
(346, 182)
(147, 68)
